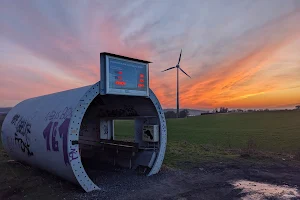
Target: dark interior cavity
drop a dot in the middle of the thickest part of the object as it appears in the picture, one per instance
(100, 150)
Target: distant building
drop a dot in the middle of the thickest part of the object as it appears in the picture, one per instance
(298, 107)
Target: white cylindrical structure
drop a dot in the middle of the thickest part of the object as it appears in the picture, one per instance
(56, 132)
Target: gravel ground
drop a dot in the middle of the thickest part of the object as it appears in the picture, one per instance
(116, 183)
(207, 181)
(238, 179)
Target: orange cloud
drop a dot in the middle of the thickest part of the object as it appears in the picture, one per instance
(17, 87)
(79, 59)
(233, 80)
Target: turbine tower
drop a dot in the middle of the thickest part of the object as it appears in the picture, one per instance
(178, 67)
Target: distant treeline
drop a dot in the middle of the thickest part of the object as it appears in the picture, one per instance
(226, 110)
(185, 113)
(5, 110)
(182, 114)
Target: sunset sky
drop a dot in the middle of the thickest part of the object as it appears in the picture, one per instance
(239, 53)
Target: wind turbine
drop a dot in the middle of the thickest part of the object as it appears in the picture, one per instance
(178, 67)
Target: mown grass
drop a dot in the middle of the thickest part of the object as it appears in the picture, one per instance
(223, 135)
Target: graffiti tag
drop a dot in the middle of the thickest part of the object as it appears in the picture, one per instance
(51, 134)
(72, 155)
(22, 134)
(10, 143)
(126, 111)
(64, 114)
(55, 131)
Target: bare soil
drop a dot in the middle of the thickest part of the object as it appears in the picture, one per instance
(216, 179)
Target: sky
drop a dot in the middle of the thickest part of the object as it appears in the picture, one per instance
(239, 53)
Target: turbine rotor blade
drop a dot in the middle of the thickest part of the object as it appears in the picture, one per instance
(179, 57)
(184, 72)
(167, 69)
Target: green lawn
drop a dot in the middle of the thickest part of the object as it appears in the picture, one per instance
(197, 138)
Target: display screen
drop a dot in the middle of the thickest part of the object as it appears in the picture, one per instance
(126, 77)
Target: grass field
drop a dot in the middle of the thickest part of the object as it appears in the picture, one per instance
(211, 136)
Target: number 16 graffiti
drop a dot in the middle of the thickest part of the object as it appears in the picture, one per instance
(52, 131)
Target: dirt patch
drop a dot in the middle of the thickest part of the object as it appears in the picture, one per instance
(211, 180)
(20, 181)
(256, 190)
(216, 179)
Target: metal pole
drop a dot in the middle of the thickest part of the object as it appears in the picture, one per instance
(177, 94)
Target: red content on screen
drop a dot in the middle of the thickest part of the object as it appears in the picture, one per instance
(121, 83)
